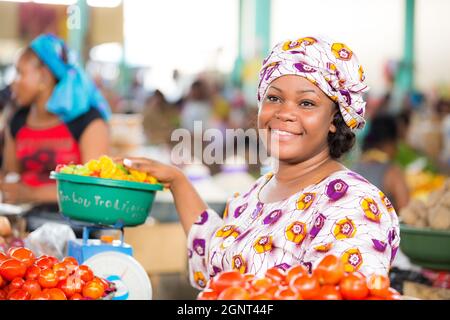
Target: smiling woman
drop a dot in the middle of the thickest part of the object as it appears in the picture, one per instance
(310, 102)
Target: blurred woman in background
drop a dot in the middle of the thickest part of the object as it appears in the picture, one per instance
(62, 119)
(377, 161)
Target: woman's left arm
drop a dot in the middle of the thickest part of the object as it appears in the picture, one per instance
(95, 140)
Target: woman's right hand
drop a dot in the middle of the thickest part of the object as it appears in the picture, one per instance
(187, 201)
(167, 175)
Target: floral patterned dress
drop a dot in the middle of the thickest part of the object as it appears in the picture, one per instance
(343, 214)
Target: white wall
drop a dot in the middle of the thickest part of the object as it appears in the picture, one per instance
(433, 42)
(184, 34)
(374, 30)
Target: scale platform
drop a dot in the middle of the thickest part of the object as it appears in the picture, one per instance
(83, 249)
(113, 261)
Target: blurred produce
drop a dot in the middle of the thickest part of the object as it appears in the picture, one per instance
(398, 277)
(106, 168)
(431, 211)
(10, 235)
(422, 183)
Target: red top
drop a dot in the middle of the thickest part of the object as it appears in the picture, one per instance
(40, 150)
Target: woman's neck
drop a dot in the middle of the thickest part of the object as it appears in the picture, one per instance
(316, 168)
(39, 111)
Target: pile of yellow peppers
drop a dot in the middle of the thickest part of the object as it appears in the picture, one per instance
(106, 168)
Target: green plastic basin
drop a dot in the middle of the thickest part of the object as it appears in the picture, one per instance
(426, 247)
(104, 201)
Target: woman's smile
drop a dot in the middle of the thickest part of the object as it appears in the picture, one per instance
(283, 135)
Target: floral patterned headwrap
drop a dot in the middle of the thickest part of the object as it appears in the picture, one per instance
(330, 65)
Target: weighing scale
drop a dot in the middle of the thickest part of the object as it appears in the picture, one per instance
(113, 261)
(105, 204)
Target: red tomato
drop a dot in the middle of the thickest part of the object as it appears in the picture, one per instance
(207, 294)
(227, 279)
(287, 294)
(22, 254)
(329, 292)
(374, 298)
(70, 260)
(295, 271)
(16, 283)
(41, 296)
(330, 270)
(261, 285)
(276, 274)
(3, 295)
(2, 282)
(307, 285)
(273, 289)
(85, 273)
(18, 294)
(53, 260)
(32, 287)
(3, 257)
(61, 271)
(76, 296)
(249, 277)
(93, 290)
(354, 286)
(70, 286)
(43, 263)
(378, 285)
(33, 273)
(48, 279)
(71, 264)
(12, 268)
(56, 294)
(103, 282)
(234, 293)
(261, 296)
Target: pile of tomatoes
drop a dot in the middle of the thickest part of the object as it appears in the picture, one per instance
(25, 277)
(328, 281)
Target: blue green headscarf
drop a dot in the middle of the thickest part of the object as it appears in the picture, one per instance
(75, 93)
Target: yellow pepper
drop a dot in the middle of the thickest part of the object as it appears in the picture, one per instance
(93, 165)
(138, 175)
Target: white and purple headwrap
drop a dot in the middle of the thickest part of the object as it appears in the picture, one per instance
(330, 65)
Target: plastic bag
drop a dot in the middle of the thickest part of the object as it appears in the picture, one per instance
(50, 239)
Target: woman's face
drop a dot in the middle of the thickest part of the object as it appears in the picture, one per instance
(29, 80)
(297, 117)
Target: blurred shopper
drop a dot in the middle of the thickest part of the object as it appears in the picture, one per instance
(376, 163)
(62, 119)
(197, 106)
(407, 155)
(160, 118)
(220, 107)
(7, 107)
(443, 110)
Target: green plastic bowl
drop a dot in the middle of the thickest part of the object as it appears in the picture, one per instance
(104, 201)
(426, 247)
